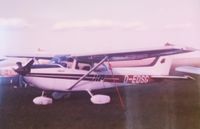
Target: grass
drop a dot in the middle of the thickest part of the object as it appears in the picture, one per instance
(164, 105)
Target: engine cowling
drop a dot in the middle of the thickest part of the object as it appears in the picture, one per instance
(7, 72)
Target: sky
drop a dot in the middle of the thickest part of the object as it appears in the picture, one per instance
(68, 26)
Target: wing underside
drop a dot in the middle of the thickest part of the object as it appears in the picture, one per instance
(132, 55)
(189, 69)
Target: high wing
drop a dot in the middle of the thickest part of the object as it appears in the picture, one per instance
(189, 69)
(53, 58)
(47, 57)
(132, 55)
(112, 56)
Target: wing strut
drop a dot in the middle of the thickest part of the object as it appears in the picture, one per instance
(91, 70)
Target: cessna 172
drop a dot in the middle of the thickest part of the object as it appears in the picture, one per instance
(98, 71)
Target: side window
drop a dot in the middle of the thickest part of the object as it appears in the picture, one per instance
(83, 66)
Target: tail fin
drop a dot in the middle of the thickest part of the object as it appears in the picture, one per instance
(25, 69)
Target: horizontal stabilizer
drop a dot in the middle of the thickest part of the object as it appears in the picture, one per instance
(189, 69)
(171, 77)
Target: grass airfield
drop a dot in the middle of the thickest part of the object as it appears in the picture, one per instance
(163, 105)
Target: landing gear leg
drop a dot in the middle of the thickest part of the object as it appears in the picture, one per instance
(43, 92)
(90, 93)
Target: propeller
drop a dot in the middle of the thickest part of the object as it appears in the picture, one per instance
(23, 70)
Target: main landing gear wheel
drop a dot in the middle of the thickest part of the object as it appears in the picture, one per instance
(42, 100)
(99, 99)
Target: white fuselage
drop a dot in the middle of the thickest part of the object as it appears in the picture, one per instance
(61, 79)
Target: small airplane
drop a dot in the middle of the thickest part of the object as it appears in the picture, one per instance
(91, 72)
